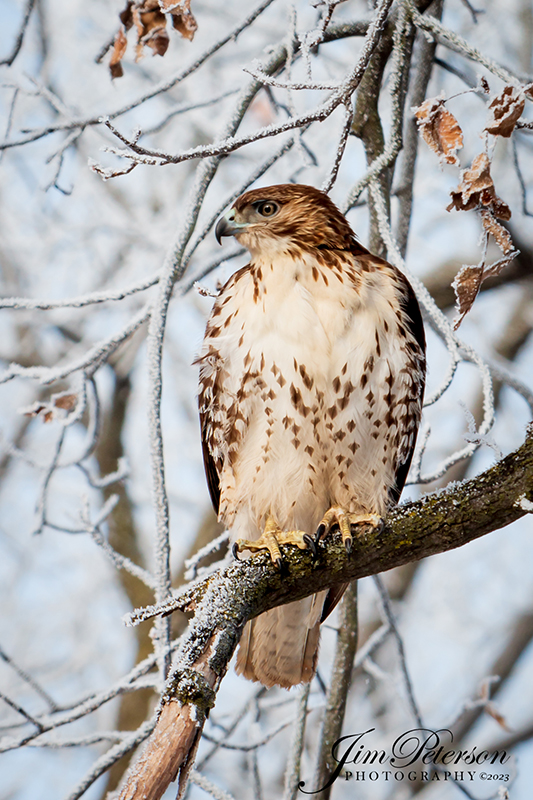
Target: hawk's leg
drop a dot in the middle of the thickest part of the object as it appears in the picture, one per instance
(346, 521)
(271, 539)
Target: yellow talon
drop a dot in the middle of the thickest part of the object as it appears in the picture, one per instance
(271, 539)
(346, 520)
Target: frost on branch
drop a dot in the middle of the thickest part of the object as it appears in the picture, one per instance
(440, 130)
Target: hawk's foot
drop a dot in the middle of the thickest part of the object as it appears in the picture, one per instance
(271, 539)
(346, 521)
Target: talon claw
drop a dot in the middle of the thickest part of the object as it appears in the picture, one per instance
(278, 562)
(348, 545)
(235, 551)
(320, 531)
(310, 542)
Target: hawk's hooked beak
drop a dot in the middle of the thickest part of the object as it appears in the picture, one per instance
(227, 226)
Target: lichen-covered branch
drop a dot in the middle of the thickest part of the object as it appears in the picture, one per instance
(435, 524)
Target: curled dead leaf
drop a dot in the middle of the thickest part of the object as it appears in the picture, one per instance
(139, 28)
(439, 129)
(477, 190)
(468, 280)
(182, 17)
(152, 28)
(466, 286)
(504, 111)
(501, 235)
(119, 48)
(55, 408)
(126, 16)
(65, 401)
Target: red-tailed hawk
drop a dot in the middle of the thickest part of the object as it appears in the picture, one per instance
(311, 382)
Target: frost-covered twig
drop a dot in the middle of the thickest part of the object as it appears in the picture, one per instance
(341, 147)
(129, 742)
(8, 60)
(253, 745)
(27, 678)
(455, 42)
(209, 787)
(391, 622)
(417, 92)
(337, 696)
(22, 711)
(78, 302)
(191, 564)
(117, 559)
(371, 645)
(292, 772)
(89, 361)
(228, 729)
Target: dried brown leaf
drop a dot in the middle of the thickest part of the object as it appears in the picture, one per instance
(126, 16)
(500, 234)
(182, 17)
(65, 401)
(504, 111)
(158, 40)
(468, 280)
(152, 20)
(150, 23)
(140, 28)
(440, 130)
(466, 287)
(119, 48)
(500, 209)
(477, 190)
(52, 409)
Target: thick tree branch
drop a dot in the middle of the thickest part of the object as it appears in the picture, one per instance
(225, 601)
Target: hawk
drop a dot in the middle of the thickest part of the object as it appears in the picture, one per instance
(312, 375)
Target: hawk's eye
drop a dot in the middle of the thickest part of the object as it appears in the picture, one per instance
(267, 208)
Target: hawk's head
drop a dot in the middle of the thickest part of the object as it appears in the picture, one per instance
(286, 216)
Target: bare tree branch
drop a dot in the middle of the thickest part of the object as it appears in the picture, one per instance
(338, 692)
(20, 36)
